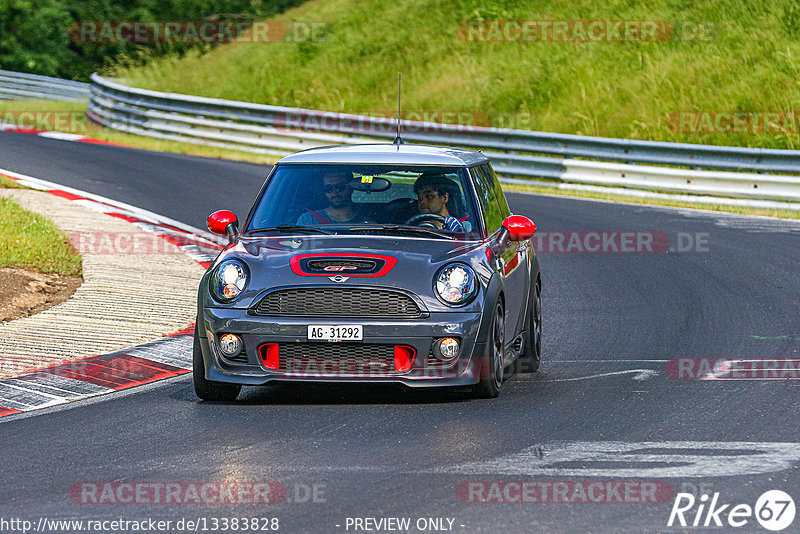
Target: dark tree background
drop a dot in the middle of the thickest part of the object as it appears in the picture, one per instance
(35, 34)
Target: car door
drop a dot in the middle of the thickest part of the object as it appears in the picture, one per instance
(513, 258)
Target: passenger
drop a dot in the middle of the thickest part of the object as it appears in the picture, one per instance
(433, 194)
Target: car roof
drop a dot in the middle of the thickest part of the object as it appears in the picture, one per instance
(388, 153)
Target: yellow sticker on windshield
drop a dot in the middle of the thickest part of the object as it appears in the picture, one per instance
(366, 179)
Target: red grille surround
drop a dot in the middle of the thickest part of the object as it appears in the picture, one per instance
(388, 263)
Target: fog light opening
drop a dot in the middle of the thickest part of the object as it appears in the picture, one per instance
(230, 345)
(448, 348)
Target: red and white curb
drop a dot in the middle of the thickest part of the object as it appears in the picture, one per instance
(52, 134)
(200, 245)
(96, 375)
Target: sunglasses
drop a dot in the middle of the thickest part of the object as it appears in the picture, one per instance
(336, 188)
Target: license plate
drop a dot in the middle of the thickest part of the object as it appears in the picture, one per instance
(335, 332)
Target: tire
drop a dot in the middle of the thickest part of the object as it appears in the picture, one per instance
(206, 389)
(531, 355)
(492, 364)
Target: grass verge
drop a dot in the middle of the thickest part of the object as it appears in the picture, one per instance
(729, 56)
(5, 183)
(30, 241)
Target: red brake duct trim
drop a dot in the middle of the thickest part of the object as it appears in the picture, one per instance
(270, 356)
(403, 357)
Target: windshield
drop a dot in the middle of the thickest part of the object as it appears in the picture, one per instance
(380, 199)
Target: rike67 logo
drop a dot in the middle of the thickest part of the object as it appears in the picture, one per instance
(774, 510)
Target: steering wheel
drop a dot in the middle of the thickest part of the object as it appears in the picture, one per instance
(417, 220)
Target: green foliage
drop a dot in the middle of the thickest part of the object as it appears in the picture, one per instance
(33, 35)
(30, 240)
(724, 55)
(39, 36)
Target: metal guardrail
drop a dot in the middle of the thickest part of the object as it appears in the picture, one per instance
(21, 86)
(517, 155)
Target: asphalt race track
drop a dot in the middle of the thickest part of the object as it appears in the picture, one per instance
(159, 182)
(604, 408)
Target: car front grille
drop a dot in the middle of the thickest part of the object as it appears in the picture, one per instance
(338, 302)
(336, 358)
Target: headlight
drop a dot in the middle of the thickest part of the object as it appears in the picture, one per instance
(456, 284)
(228, 280)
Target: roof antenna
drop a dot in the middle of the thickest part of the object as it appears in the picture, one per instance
(398, 140)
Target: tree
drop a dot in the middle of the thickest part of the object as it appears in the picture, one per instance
(33, 35)
(41, 37)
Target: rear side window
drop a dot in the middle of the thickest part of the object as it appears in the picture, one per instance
(491, 205)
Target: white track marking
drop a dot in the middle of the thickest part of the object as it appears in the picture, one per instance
(687, 459)
(43, 185)
(62, 392)
(641, 374)
(63, 136)
(606, 361)
(33, 391)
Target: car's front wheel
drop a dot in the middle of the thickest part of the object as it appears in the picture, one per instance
(206, 389)
(491, 374)
(532, 352)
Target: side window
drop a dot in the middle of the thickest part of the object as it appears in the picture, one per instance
(487, 198)
(501, 197)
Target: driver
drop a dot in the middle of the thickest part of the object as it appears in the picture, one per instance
(432, 197)
(341, 208)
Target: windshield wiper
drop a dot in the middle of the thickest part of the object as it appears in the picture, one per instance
(401, 229)
(290, 228)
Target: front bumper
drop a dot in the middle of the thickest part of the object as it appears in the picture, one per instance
(417, 333)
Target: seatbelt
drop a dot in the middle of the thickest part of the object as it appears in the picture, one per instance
(319, 217)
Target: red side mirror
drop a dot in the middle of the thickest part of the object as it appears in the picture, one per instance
(219, 221)
(519, 227)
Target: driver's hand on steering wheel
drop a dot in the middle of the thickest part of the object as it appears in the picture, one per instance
(428, 220)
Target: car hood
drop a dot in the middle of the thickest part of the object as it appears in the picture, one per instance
(269, 261)
(435, 250)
